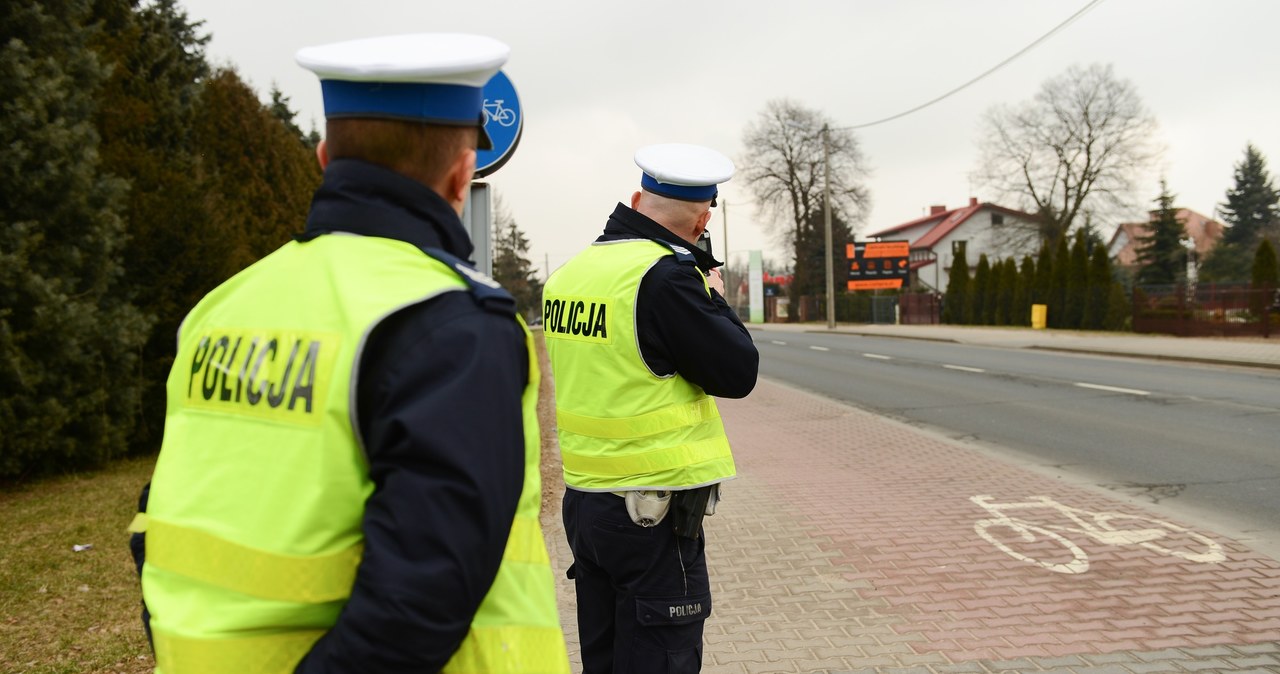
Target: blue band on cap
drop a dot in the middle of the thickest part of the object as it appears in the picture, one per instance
(682, 192)
(445, 103)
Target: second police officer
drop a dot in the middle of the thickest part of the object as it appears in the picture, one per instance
(640, 338)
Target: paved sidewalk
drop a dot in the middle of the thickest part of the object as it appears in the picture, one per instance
(1250, 351)
(850, 543)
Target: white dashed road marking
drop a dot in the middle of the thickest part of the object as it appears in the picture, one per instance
(1113, 389)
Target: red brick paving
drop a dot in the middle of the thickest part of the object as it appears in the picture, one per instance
(892, 504)
(848, 543)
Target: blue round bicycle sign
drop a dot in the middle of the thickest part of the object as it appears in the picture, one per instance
(502, 121)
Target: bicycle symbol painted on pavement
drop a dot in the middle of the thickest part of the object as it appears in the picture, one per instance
(496, 112)
(1041, 543)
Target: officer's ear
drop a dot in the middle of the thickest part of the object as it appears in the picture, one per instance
(700, 225)
(322, 154)
(703, 220)
(458, 180)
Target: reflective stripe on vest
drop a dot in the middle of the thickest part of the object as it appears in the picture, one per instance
(257, 573)
(219, 562)
(708, 453)
(239, 655)
(666, 419)
(485, 651)
(619, 424)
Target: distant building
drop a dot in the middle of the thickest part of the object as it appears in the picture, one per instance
(1205, 232)
(935, 236)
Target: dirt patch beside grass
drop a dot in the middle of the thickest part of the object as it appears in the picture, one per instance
(552, 477)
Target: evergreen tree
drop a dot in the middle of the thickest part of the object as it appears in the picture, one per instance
(68, 339)
(991, 301)
(1099, 290)
(280, 109)
(1161, 255)
(1264, 279)
(313, 136)
(980, 291)
(1118, 308)
(811, 276)
(259, 180)
(1077, 283)
(1000, 295)
(511, 265)
(1007, 289)
(1058, 279)
(1252, 205)
(146, 119)
(955, 303)
(1251, 210)
(1042, 288)
(1020, 314)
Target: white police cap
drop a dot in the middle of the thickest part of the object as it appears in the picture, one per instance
(437, 78)
(682, 171)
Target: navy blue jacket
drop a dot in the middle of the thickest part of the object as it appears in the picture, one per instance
(439, 399)
(679, 328)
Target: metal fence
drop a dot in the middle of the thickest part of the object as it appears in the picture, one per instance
(907, 308)
(1206, 310)
(1199, 311)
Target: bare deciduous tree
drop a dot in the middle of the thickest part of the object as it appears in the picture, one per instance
(1080, 147)
(783, 169)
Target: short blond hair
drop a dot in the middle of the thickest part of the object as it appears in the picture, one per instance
(424, 152)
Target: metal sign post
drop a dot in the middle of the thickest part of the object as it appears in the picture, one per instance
(477, 217)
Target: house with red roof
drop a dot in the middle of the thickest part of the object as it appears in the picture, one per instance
(1204, 231)
(935, 237)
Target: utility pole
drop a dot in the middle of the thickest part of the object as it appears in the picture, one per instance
(826, 223)
(724, 214)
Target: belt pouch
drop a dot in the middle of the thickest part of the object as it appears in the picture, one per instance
(687, 509)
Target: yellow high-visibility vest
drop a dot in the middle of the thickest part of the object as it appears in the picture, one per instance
(253, 522)
(620, 425)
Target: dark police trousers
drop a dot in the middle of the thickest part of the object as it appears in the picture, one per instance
(643, 593)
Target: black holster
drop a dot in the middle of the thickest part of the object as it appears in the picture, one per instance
(688, 506)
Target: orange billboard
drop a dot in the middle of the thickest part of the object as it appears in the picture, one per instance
(878, 265)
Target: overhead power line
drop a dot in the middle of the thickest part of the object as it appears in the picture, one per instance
(1069, 20)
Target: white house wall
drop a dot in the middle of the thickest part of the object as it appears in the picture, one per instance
(979, 234)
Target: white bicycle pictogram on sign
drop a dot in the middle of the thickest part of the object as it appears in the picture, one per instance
(1024, 539)
(495, 111)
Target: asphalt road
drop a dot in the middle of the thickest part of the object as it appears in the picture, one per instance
(1197, 439)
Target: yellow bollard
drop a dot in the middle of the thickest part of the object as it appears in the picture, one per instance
(1039, 316)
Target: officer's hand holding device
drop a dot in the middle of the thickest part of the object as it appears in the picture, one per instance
(713, 276)
(716, 281)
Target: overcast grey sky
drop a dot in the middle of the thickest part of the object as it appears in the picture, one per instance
(598, 79)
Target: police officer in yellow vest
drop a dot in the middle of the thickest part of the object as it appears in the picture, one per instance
(640, 337)
(349, 477)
